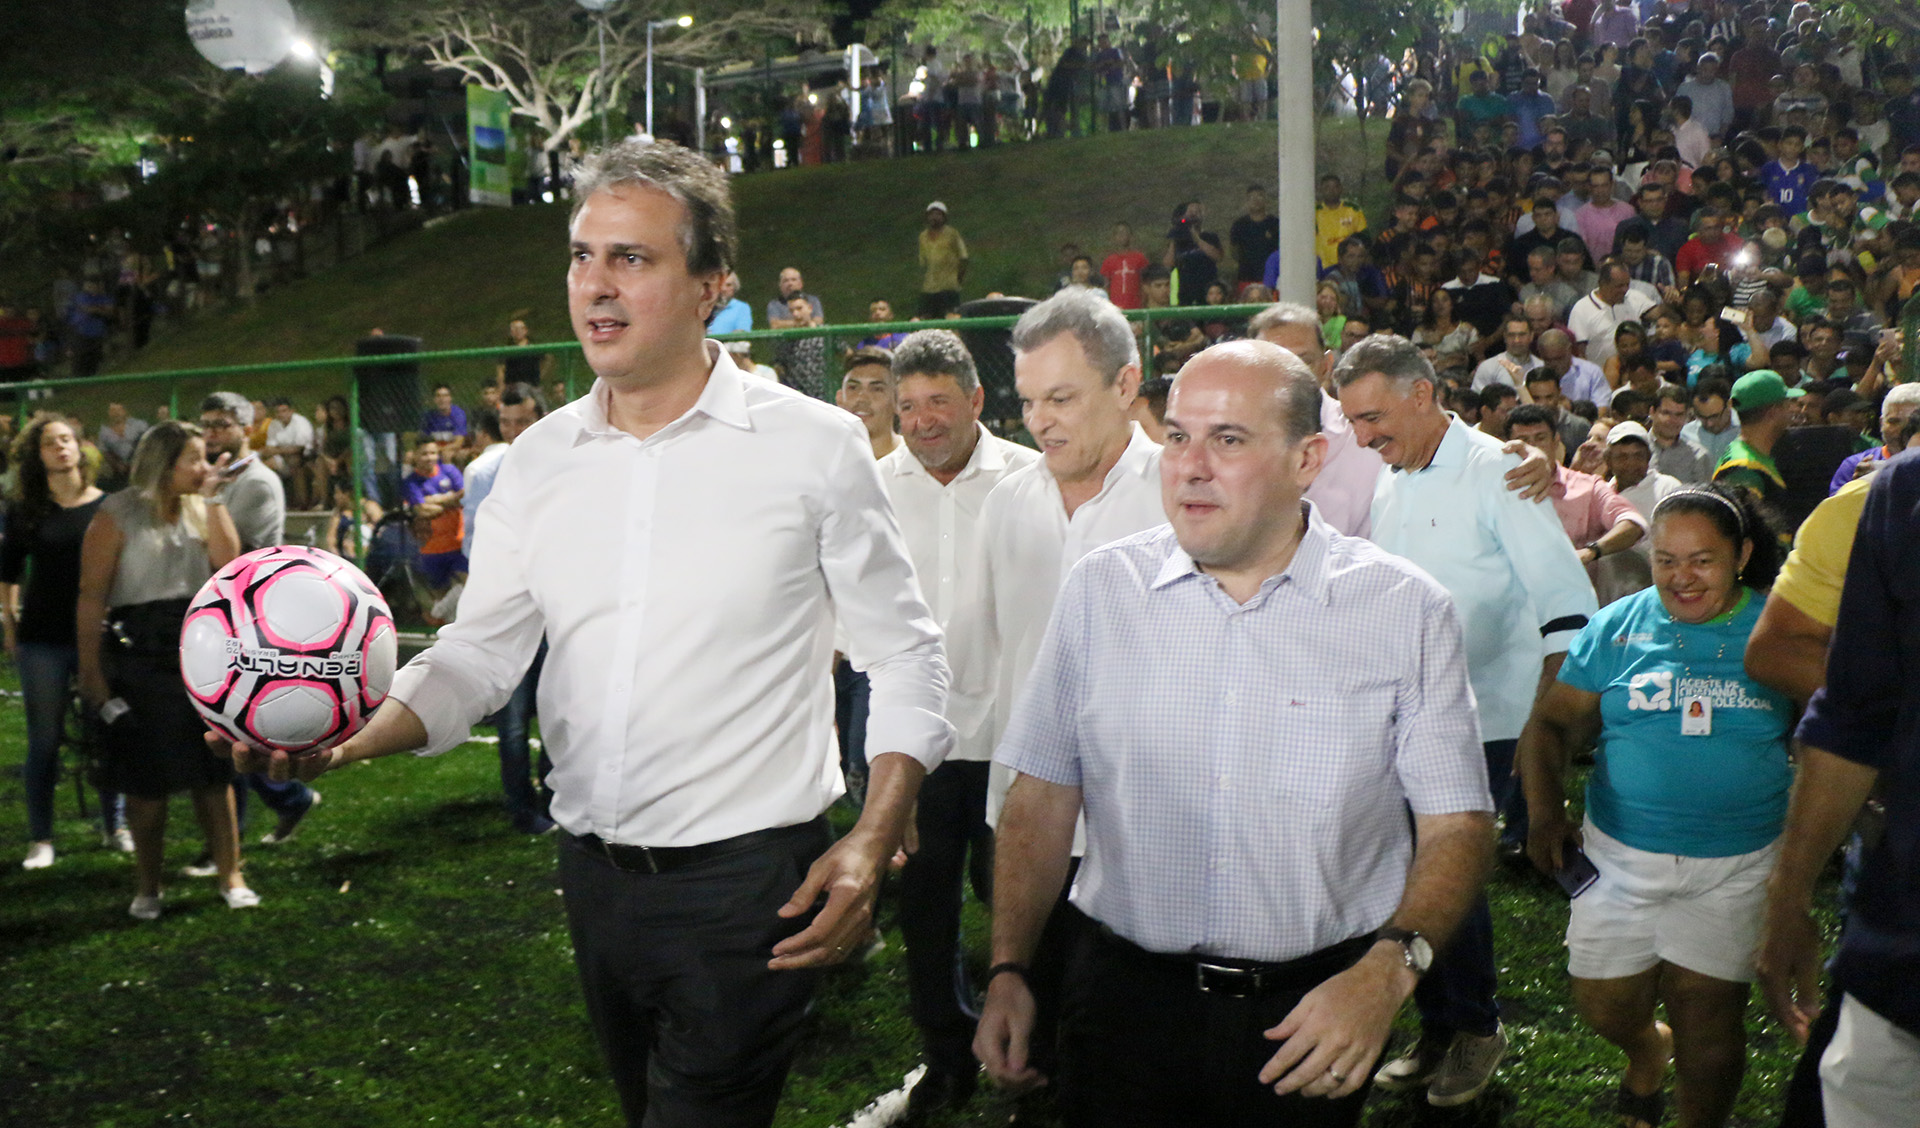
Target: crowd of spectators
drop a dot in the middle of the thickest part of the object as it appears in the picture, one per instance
(1708, 186)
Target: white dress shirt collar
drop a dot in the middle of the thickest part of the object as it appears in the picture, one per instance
(723, 399)
(1307, 571)
(988, 457)
(1140, 459)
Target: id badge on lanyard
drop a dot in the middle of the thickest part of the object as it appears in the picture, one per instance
(1696, 716)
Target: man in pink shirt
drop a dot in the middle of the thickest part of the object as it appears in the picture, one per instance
(1597, 519)
(1598, 217)
(1344, 490)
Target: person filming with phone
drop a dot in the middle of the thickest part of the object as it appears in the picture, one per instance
(1685, 805)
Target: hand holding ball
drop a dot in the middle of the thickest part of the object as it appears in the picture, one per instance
(288, 649)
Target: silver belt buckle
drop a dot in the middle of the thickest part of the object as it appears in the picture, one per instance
(1233, 975)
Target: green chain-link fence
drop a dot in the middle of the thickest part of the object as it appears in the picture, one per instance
(382, 400)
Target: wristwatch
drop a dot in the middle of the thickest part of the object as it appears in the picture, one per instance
(1419, 952)
(1594, 547)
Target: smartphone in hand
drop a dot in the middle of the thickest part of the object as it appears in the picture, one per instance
(1576, 873)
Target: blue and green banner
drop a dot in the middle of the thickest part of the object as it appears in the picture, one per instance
(490, 145)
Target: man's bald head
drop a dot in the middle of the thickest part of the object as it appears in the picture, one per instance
(1243, 445)
(1269, 372)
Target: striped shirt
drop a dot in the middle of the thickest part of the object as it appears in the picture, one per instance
(1246, 768)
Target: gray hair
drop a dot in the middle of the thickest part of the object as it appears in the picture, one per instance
(936, 352)
(1287, 313)
(1901, 395)
(1394, 357)
(233, 403)
(709, 238)
(1093, 320)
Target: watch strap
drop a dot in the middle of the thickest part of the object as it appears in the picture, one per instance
(1404, 937)
(1010, 967)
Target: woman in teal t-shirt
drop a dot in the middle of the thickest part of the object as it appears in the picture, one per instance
(1685, 805)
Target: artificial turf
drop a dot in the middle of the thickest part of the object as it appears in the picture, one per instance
(409, 965)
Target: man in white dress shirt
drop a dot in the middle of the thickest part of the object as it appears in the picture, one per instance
(1077, 367)
(686, 537)
(1244, 705)
(939, 479)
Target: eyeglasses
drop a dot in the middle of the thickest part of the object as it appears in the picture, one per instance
(218, 424)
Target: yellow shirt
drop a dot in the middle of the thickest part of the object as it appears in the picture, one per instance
(1817, 567)
(1251, 65)
(940, 256)
(1332, 224)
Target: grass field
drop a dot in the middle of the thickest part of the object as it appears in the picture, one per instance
(851, 228)
(409, 965)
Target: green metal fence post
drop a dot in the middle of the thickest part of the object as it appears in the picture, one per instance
(1146, 345)
(356, 459)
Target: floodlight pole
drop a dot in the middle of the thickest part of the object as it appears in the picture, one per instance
(600, 26)
(1294, 119)
(677, 21)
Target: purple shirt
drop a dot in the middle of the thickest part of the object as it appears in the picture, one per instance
(445, 479)
(1852, 463)
(1617, 26)
(448, 528)
(447, 427)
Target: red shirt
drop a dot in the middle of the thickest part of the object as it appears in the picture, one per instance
(16, 342)
(1695, 255)
(1122, 272)
(1749, 70)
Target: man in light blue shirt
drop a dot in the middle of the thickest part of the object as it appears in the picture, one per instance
(526, 796)
(1245, 704)
(1528, 105)
(1521, 595)
(731, 315)
(1715, 425)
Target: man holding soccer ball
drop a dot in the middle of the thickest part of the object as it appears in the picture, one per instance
(686, 537)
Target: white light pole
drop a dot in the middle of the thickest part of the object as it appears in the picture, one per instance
(680, 21)
(599, 9)
(1294, 115)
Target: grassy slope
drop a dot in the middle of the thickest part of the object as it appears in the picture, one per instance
(851, 228)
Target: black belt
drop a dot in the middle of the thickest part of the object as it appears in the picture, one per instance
(662, 859)
(1244, 979)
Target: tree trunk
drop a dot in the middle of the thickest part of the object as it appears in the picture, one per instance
(243, 260)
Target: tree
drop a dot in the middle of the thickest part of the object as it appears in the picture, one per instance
(544, 54)
(238, 144)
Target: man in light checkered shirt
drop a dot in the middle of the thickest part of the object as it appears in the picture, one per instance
(1245, 704)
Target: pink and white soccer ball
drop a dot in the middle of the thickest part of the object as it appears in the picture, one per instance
(289, 647)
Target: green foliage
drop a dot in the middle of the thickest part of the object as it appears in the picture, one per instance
(247, 141)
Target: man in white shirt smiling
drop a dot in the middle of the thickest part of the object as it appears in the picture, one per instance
(686, 538)
(1077, 367)
(1521, 594)
(939, 480)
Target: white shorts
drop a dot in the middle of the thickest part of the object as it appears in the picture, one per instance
(1702, 914)
(1870, 1074)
